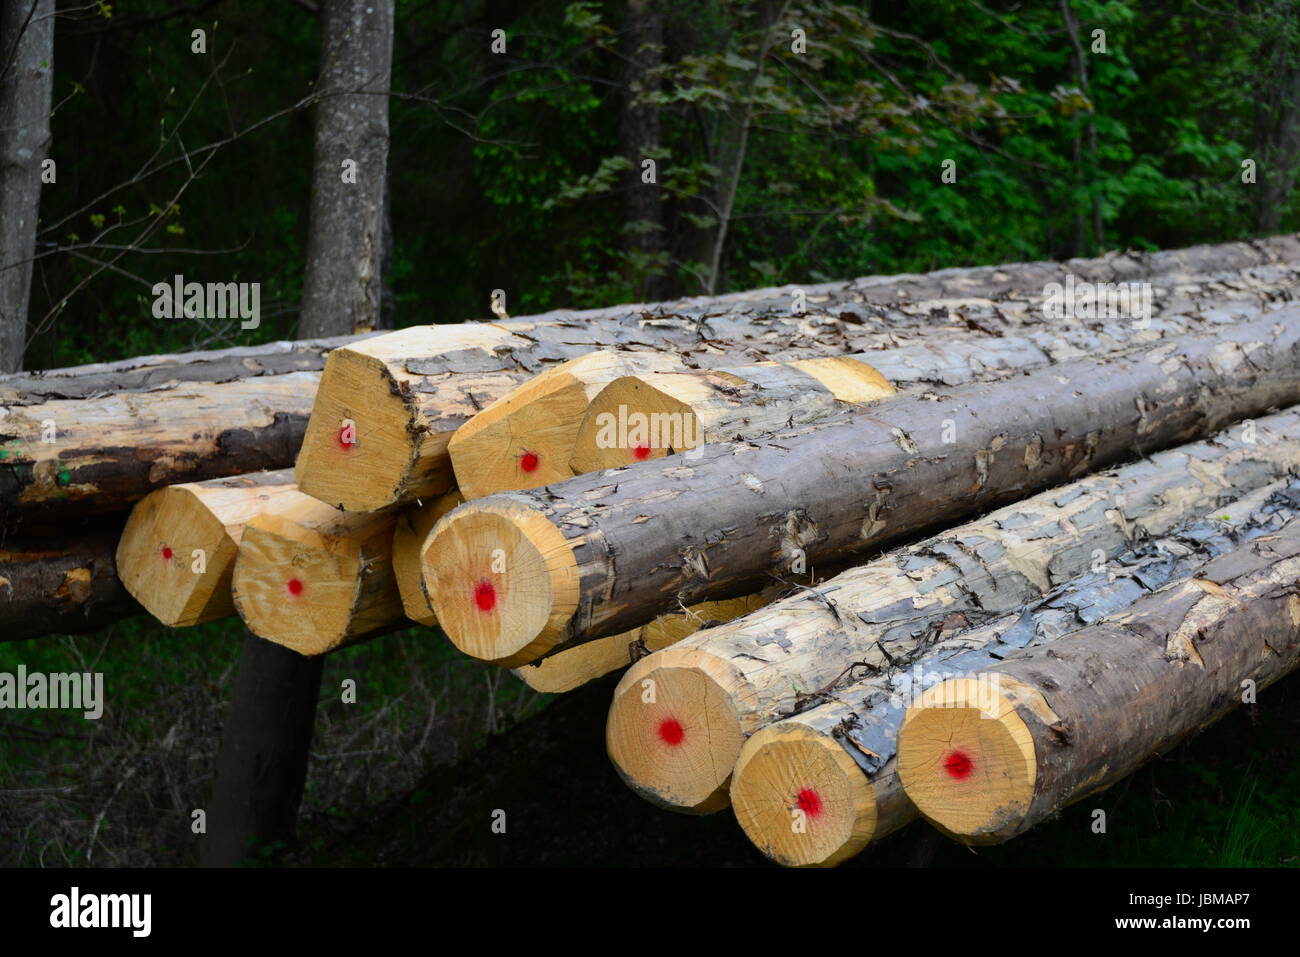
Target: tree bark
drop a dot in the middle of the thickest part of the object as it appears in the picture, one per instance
(643, 235)
(396, 389)
(739, 513)
(262, 765)
(26, 91)
(1277, 115)
(860, 721)
(1050, 726)
(780, 660)
(342, 285)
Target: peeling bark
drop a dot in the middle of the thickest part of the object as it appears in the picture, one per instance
(863, 716)
(677, 529)
(1091, 708)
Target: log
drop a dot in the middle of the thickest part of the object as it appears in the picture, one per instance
(657, 413)
(836, 761)
(314, 579)
(986, 757)
(387, 406)
(525, 438)
(242, 428)
(61, 580)
(581, 665)
(177, 551)
(737, 678)
(606, 552)
(413, 526)
(100, 437)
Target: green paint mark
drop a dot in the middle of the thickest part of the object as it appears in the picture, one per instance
(65, 477)
(4, 453)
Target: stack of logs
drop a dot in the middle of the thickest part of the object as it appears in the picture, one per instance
(871, 550)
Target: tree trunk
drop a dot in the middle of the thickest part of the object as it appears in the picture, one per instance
(643, 228)
(342, 283)
(1277, 115)
(780, 660)
(736, 161)
(836, 761)
(985, 758)
(177, 552)
(262, 764)
(26, 91)
(614, 556)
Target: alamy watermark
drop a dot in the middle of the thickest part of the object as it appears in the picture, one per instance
(75, 691)
(179, 299)
(643, 432)
(1098, 300)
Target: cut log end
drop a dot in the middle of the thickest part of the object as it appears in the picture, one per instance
(501, 580)
(524, 440)
(967, 760)
(800, 798)
(295, 586)
(674, 732)
(632, 420)
(357, 450)
(175, 558)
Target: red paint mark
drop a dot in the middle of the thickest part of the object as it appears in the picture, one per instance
(528, 462)
(295, 586)
(485, 596)
(641, 452)
(958, 764)
(810, 802)
(167, 553)
(671, 732)
(347, 437)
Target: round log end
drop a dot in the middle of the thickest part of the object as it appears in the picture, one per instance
(361, 442)
(502, 581)
(523, 440)
(175, 558)
(674, 730)
(296, 586)
(632, 420)
(800, 798)
(966, 759)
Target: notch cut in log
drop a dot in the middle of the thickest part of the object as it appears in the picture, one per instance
(723, 684)
(986, 757)
(314, 579)
(835, 762)
(609, 551)
(525, 438)
(412, 528)
(177, 551)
